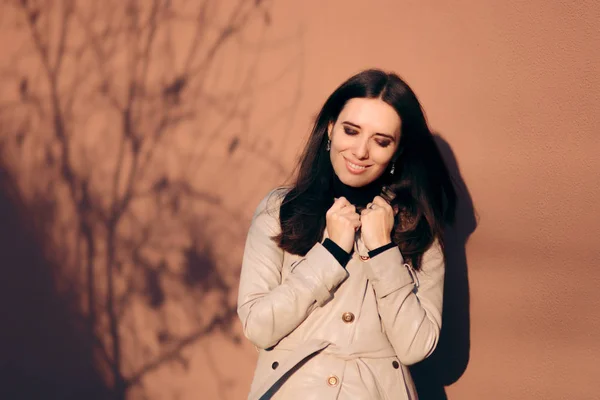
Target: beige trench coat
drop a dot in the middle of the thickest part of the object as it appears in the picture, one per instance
(328, 332)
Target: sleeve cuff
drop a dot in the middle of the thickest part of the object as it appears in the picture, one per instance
(323, 272)
(340, 254)
(388, 273)
(381, 249)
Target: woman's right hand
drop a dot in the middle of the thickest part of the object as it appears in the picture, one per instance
(342, 222)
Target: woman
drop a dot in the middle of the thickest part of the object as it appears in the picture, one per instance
(341, 288)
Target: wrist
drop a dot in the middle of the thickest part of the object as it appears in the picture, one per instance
(340, 245)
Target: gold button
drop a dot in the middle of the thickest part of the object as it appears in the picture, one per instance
(347, 317)
(364, 258)
(332, 380)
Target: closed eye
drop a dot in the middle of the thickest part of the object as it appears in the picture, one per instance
(350, 131)
(383, 143)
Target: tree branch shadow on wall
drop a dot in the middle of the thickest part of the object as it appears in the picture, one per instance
(451, 357)
(101, 111)
(132, 236)
(43, 352)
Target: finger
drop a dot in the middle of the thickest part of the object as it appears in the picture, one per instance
(379, 201)
(350, 218)
(338, 204)
(341, 202)
(348, 210)
(353, 217)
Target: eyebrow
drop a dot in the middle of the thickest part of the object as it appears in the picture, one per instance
(377, 133)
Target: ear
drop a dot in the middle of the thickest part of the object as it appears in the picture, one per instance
(329, 130)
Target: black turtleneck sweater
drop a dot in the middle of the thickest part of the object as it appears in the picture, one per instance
(359, 197)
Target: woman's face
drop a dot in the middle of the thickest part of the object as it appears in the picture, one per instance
(363, 140)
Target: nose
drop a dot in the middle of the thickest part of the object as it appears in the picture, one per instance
(361, 149)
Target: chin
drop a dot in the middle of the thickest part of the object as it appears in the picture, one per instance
(354, 180)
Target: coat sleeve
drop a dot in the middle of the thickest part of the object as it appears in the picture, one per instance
(269, 307)
(409, 302)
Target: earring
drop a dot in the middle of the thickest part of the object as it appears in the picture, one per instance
(328, 146)
(393, 169)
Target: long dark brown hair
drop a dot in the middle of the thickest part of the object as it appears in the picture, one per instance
(424, 192)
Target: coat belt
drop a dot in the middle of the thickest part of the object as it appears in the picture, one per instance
(372, 349)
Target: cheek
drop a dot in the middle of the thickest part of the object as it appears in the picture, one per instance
(341, 142)
(382, 157)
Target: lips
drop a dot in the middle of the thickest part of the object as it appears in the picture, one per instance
(354, 168)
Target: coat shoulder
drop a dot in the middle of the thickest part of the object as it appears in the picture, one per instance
(273, 200)
(266, 213)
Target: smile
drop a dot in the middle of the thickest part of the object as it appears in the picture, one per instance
(355, 168)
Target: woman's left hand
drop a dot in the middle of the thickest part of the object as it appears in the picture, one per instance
(377, 222)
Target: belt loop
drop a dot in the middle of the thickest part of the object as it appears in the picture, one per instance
(413, 274)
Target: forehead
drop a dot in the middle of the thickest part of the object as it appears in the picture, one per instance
(372, 115)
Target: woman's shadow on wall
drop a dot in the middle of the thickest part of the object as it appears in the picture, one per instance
(451, 357)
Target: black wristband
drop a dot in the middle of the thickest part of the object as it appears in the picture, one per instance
(381, 249)
(340, 254)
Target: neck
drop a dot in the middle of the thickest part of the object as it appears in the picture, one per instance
(358, 196)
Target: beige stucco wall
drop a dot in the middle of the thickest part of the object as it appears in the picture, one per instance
(514, 90)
